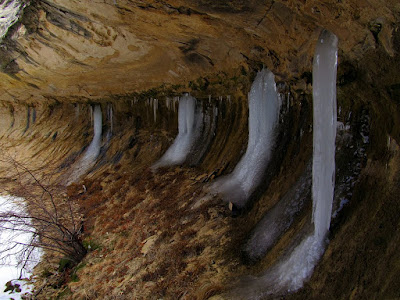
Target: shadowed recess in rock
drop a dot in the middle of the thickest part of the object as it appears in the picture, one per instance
(278, 219)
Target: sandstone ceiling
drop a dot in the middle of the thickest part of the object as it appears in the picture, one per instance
(94, 48)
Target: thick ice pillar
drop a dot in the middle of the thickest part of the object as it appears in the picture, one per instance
(324, 130)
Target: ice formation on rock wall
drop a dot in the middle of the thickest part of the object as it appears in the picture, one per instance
(189, 128)
(9, 14)
(324, 132)
(264, 107)
(289, 274)
(93, 151)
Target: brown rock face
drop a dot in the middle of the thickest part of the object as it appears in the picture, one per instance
(159, 234)
(94, 49)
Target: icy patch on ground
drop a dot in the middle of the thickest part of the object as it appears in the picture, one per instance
(12, 259)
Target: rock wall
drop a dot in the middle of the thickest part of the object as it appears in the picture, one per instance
(67, 48)
(159, 233)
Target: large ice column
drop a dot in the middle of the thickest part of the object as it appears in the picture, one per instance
(289, 274)
(300, 265)
(324, 130)
(9, 14)
(93, 151)
(189, 128)
(94, 148)
(264, 108)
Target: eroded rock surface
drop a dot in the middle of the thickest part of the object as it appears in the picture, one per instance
(96, 48)
(159, 234)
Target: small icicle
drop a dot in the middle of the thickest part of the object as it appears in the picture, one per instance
(110, 120)
(155, 109)
(77, 110)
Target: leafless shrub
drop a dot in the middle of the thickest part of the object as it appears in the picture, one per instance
(42, 212)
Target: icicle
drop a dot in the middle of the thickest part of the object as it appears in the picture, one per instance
(93, 151)
(264, 108)
(94, 148)
(289, 274)
(33, 115)
(77, 110)
(168, 103)
(176, 100)
(189, 124)
(324, 132)
(155, 108)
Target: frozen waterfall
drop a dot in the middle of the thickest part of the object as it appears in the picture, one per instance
(93, 151)
(94, 148)
(9, 14)
(289, 274)
(299, 266)
(324, 132)
(189, 128)
(264, 108)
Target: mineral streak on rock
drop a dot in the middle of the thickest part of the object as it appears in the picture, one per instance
(70, 46)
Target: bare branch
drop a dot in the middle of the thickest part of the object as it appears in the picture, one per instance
(47, 215)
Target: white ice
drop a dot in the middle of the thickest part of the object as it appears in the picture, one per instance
(9, 14)
(289, 274)
(264, 108)
(93, 151)
(94, 148)
(324, 130)
(189, 128)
